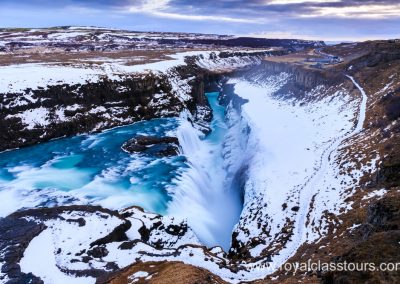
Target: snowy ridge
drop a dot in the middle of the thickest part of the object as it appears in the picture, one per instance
(18, 78)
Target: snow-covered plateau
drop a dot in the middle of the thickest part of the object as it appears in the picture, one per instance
(217, 159)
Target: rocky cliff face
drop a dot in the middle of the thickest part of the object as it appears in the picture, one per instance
(67, 110)
(303, 77)
(153, 238)
(40, 113)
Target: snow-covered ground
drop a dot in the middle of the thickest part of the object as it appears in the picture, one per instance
(17, 78)
(294, 177)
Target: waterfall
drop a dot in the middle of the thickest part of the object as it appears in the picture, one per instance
(203, 193)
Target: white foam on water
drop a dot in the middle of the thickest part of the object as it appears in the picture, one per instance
(9, 202)
(48, 177)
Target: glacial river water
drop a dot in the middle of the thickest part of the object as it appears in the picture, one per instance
(93, 169)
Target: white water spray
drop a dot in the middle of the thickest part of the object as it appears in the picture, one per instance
(203, 195)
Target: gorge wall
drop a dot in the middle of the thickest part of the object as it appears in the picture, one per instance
(42, 113)
(66, 110)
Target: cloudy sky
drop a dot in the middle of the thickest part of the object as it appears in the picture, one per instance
(309, 19)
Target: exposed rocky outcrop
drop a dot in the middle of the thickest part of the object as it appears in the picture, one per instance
(17, 233)
(303, 77)
(378, 244)
(371, 54)
(388, 173)
(15, 236)
(151, 145)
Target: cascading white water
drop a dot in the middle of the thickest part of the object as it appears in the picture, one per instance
(203, 194)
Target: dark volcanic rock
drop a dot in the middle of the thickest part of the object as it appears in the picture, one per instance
(384, 215)
(28, 278)
(128, 245)
(135, 102)
(117, 235)
(15, 236)
(98, 252)
(152, 145)
(176, 230)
